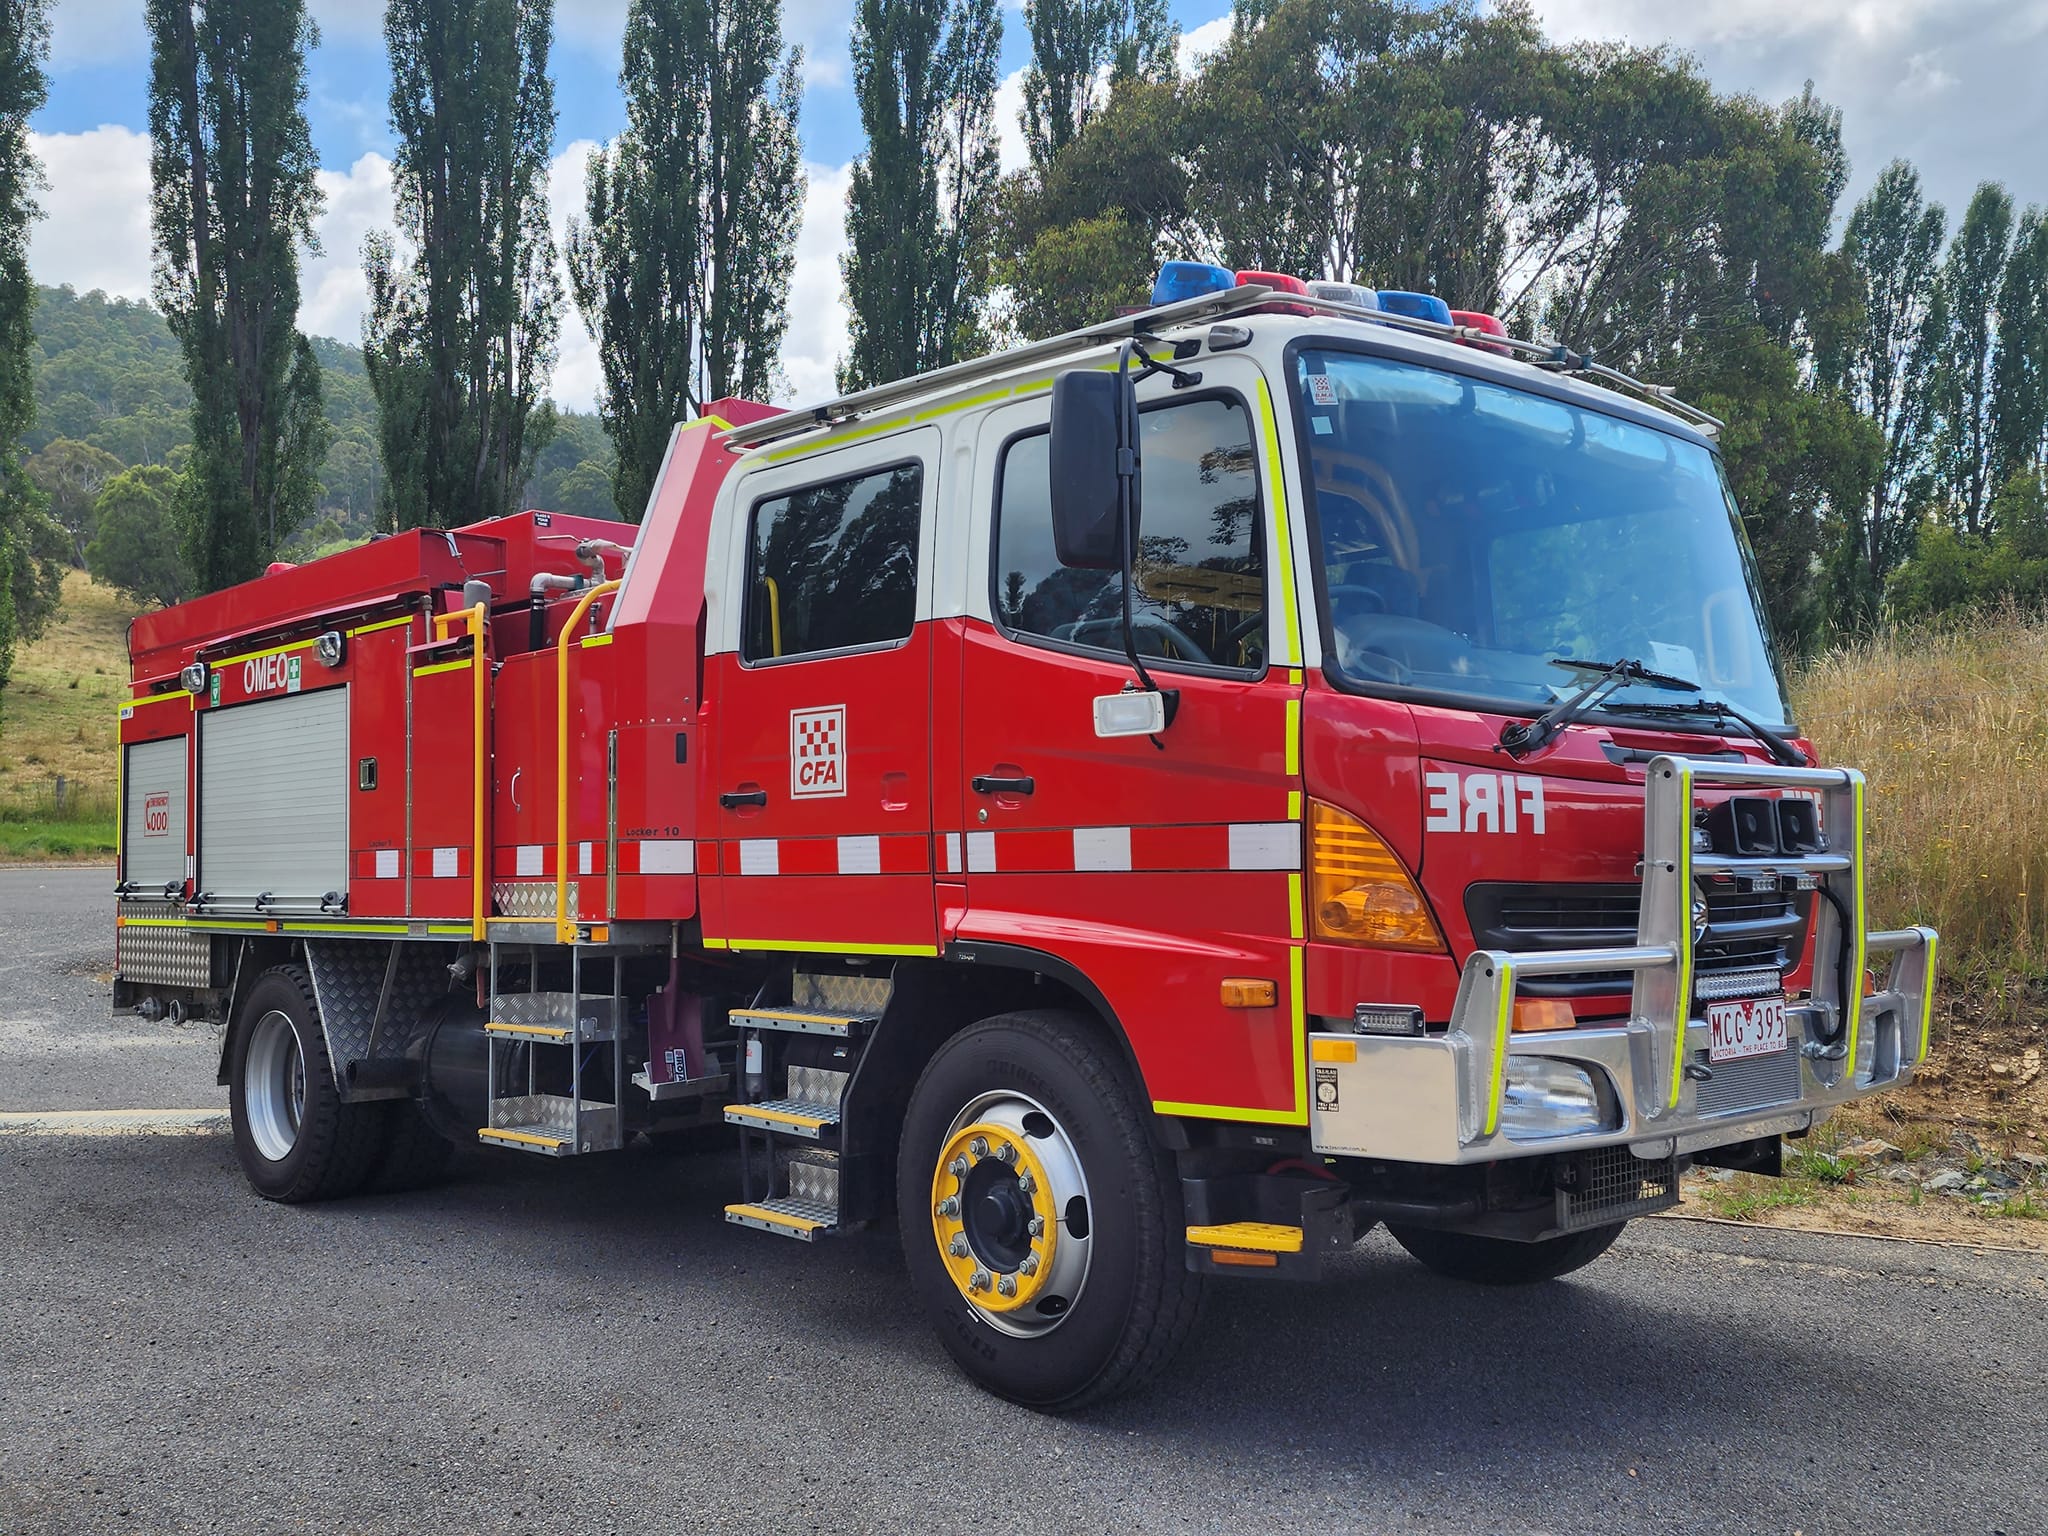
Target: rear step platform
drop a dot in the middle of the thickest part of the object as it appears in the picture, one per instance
(786, 1117)
(804, 1021)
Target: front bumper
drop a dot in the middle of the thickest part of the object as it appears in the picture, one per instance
(1439, 1098)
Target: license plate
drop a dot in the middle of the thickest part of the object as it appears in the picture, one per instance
(1752, 1028)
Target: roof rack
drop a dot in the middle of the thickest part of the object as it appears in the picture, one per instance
(1212, 306)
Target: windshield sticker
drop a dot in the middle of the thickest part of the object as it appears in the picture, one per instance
(1321, 389)
(1321, 425)
(1676, 660)
(1483, 802)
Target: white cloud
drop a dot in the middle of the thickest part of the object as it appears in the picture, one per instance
(1198, 43)
(1011, 148)
(94, 232)
(817, 303)
(579, 375)
(332, 292)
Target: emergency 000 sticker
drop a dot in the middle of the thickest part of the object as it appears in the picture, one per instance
(817, 752)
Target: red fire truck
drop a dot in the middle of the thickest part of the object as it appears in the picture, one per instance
(1151, 804)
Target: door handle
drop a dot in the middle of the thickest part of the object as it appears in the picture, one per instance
(732, 799)
(988, 784)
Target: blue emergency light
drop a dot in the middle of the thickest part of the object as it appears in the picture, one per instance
(1416, 306)
(1190, 280)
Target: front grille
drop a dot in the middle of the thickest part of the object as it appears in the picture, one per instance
(1746, 930)
(1613, 1184)
(1750, 1083)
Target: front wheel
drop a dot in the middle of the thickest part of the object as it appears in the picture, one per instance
(295, 1138)
(1497, 1261)
(1041, 1224)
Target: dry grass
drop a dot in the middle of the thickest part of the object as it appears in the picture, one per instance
(1951, 729)
(57, 722)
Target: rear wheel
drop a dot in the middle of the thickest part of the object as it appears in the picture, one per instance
(1497, 1261)
(1041, 1224)
(294, 1137)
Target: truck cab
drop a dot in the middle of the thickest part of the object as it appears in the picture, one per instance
(1153, 804)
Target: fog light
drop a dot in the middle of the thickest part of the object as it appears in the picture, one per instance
(1548, 1097)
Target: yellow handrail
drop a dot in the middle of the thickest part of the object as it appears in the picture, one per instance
(480, 671)
(565, 928)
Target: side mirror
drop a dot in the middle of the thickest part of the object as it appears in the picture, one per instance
(1083, 459)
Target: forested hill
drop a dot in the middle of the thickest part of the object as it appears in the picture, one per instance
(108, 376)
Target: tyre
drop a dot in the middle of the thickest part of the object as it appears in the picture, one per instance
(1041, 1224)
(413, 1154)
(1497, 1261)
(295, 1138)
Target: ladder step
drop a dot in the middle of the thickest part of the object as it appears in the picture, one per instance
(553, 1017)
(1247, 1236)
(805, 1220)
(557, 1034)
(803, 1021)
(528, 1138)
(788, 1117)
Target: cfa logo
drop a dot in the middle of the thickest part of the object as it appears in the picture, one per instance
(266, 674)
(817, 752)
(156, 814)
(1483, 802)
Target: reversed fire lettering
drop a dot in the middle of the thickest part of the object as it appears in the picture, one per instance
(1483, 802)
(817, 752)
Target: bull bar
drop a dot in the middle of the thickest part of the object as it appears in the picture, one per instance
(1437, 1098)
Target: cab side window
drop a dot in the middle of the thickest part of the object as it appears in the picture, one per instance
(1200, 592)
(833, 567)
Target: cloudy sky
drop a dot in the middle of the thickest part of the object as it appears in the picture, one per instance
(1953, 85)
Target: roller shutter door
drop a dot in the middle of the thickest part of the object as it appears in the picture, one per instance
(153, 802)
(273, 798)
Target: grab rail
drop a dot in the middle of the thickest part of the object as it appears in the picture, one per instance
(565, 926)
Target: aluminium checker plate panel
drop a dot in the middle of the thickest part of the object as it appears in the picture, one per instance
(161, 957)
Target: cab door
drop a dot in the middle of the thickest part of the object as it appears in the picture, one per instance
(1159, 867)
(820, 704)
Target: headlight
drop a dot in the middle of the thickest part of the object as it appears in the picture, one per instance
(1548, 1097)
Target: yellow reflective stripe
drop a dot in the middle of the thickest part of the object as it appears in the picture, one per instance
(782, 1116)
(1927, 997)
(990, 398)
(444, 666)
(775, 1218)
(1859, 940)
(371, 629)
(154, 698)
(594, 640)
(1283, 538)
(542, 1031)
(809, 947)
(1228, 1112)
(275, 650)
(1293, 738)
(1506, 983)
(1294, 918)
(1683, 1007)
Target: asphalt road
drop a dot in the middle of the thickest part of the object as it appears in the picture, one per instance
(586, 1346)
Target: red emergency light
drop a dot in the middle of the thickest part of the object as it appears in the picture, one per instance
(1284, 283)
(1473, 320)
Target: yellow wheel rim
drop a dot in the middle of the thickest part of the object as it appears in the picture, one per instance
(992, 1163)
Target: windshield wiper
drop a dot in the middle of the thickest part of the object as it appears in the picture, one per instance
(1721, 711)
(1518, 740)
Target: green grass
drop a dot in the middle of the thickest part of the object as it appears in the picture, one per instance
(26, 840)
(1746, 1197)
(57, 728)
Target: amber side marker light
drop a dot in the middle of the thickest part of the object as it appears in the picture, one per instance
(1536, 1015)
(1246, 992)
(1359, 893)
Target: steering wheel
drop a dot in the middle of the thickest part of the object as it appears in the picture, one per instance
(1236, 638)
(1372, 596)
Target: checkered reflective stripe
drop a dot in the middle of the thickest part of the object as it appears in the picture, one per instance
(1232, 846)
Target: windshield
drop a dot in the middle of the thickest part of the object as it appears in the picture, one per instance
(1472, 533)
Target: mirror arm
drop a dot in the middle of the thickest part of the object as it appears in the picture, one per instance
(1126, 510)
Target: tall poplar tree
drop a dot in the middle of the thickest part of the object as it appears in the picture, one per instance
(29, 542)
(1885, 366)
(1081, 50)
(919, 215)
(232, 173)
(1971, 278)
(460, 339)
(2019, 386)
(682, 272)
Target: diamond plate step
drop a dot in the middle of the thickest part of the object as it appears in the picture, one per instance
(551, 1125)
(785, 1117)
(804, 1220)
(804, 1021)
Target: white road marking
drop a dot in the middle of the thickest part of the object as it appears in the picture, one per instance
(112, 1122)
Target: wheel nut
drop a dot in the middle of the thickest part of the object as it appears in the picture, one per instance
(978, 1146)
(957, 1167)
(979, 1282)
(958, 1247)
(950, 1206)
(1038, 1226)
(1030, 1264)
(1026, 1183)
(1007, 1285)
(1007, 1153)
